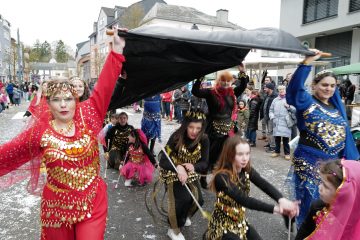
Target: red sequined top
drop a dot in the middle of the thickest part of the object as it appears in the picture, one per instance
(72, 163)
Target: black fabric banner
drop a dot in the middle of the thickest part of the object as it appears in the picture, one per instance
(160, 59)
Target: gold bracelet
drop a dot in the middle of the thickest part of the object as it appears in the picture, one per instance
(304, 62)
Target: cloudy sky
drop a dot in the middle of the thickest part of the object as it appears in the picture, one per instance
(71, 20)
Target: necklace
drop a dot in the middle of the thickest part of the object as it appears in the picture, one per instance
(64, 131)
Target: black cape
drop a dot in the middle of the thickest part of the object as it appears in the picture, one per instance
(160, 59)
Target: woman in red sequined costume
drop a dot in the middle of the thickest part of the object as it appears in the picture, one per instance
(74, 198)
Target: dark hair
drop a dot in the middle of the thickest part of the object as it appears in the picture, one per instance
(134, 133)
(269, 78)
(114, 115)
(321, 76)
(226, 160)
(86, 94)
(250, 88)
(181, 132)
(333, 172)
(124, 114)
(255, 92)
(243, 101)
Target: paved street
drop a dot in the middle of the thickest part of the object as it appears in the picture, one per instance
(128, 218)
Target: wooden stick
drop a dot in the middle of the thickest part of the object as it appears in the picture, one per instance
(203, 212)
(109, 32)
(106, 160)
(117, 183)
(289, 232)
(326, 54)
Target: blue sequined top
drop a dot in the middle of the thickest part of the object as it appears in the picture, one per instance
(324, 127)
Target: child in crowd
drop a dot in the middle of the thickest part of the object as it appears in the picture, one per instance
(117, 140)
(242, 118)
(114, 119)
(3, 99)
(231, 182)
(336, 215)
(139, 161)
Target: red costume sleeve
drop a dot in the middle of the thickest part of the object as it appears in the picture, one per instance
(22, 154)
(93, 110)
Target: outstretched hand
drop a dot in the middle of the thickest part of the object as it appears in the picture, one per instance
(118, 43)
(289, 208)
(241, 67)
(310, 59)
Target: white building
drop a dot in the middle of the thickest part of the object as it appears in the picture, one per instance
(188, 18)
(329, 25)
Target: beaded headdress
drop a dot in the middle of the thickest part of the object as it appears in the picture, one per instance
(198, 115)
(65, 88)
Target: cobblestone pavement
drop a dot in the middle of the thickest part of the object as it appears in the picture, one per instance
(127, 215)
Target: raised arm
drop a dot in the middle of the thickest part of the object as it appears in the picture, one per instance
(101, 96)
(296, 93)
(197, 92)
(244, 80)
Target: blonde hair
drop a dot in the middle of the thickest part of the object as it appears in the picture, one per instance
(224, 76)
(281, 87)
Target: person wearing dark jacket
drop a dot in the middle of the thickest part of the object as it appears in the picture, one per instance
(254, 110)
(184, 101)
(264, 113)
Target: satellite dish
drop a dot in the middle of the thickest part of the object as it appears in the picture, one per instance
(305, 44)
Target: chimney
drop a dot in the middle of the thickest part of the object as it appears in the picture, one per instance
(222, 15)
(95, 27)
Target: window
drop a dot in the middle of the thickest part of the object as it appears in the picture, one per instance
(354, 5)
(319, 9)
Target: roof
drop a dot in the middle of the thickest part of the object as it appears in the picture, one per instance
(79, 45)
(185, 14)
(82, 49)
(108, 11)
(147, 4)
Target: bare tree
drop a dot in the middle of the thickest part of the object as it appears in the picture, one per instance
(99, 62)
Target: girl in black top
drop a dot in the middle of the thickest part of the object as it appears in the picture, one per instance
(188, 148)
(231, 182)
(117, 141)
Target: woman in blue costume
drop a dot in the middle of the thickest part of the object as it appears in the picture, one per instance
(151, 121)
(324, 131)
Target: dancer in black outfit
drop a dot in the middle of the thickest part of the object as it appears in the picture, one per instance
(231, 182)
(188, 148)
(221, 101)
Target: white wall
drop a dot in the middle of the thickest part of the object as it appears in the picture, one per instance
(291, 16)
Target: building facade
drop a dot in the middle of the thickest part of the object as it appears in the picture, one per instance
(82, 59)
(149, 12)
(5, 48)
(329, 25)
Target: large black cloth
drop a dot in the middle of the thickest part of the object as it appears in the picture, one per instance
(159, 59)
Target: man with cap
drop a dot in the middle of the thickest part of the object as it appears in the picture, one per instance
(264, 114)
